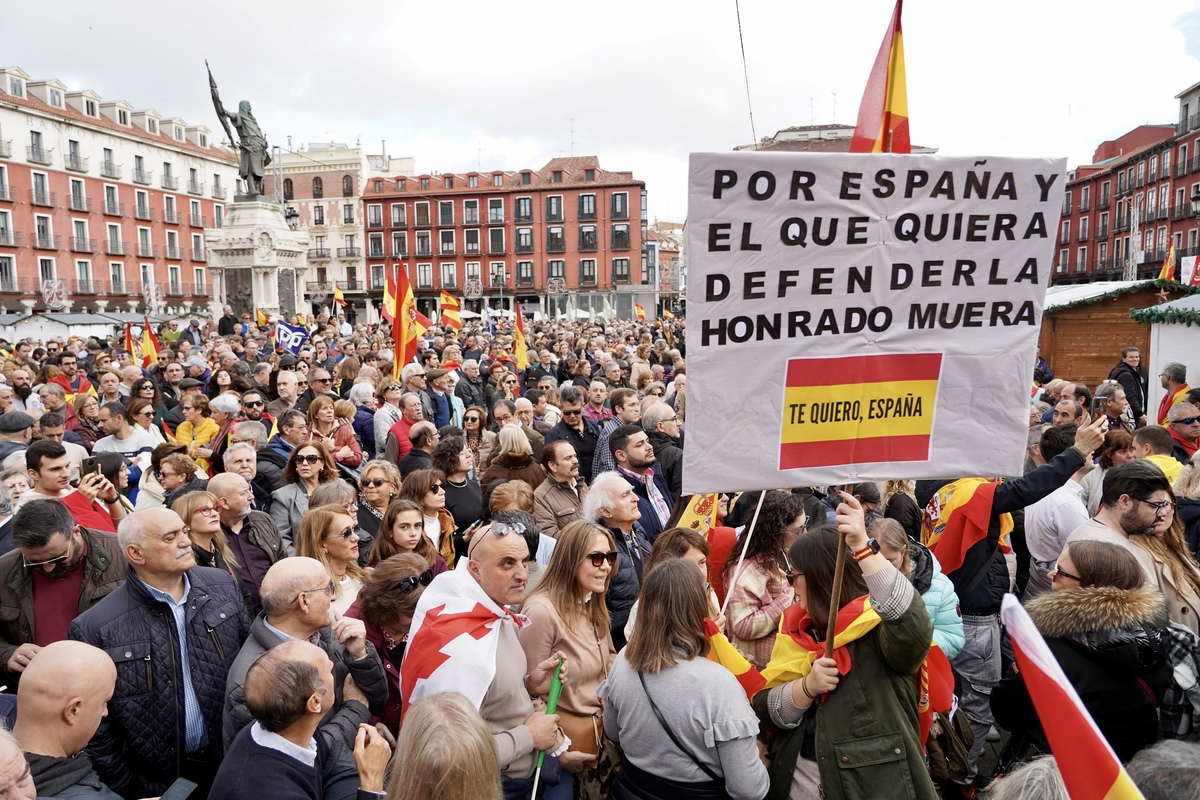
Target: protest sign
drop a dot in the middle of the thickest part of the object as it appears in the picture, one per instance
(863, 316)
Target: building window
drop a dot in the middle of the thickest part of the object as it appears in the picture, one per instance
(524, 209)
(499, 273)
(203, 140)
(424, 184)
(470, 212)
(525, 273)
(526, 178)
(447, 243)
(422, 213)
(587, 238)
(589, 174)
(15, 87)
(620, 236)
(554, 208)
(399, 244)
(620, 205)
(424, 276)
(446, 212)
(56, 98)
(524, 240)
(318, 187)
(46, 269)
(495, 210)
(587, 207)
(178, 134)
(123, 117)
(620, 268)
(399, 215)
(402, 185)
(423, 243)
(375, 216)
(497, 180)
(471, 241)
(448, 274)
(555, 240)
(496, 240)
(556, 268)
(473, 182)
(375, 245)
(347, 186)
(447, 182)
(287, 189)
(89, 107)
(152, 126)
(587, 270)
(348, 213)
(557, 176)
(378, 187)
(318, 214)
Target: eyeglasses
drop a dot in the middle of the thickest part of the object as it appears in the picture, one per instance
(1188, 421)
(437, 487)
(1060, 571)
(505, 528)
(55, 560)
(185, 408)
(149, 412)
(207, 511)
(599, 558)
(513, 382)
(322, 380)
(395, 387)
(308, 459)
(572, 412)
(253, 403)
(656, 393)
(331, 589)
(785, 566)
(374, 482)
(1164, 506)
(409, 585)
(345, 534)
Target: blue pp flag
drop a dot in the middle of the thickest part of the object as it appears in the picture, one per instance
(290, 338)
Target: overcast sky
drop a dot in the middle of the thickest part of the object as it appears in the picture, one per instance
(469, 84)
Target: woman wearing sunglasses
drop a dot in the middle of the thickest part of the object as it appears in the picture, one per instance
(141, 415)
(146, 389)
(427, 488)
(385, 604)
(387, 394)
(328, 534)
(309, 466)
(481, 441)
(568, 615)
(377, 487)
(403, 531)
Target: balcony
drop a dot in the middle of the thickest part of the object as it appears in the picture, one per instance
(422, 220)
(82, 245)
(376, 252)
(173, 252)
(169, 182)
(1123, 190)
(401, 253)
(1085, 205)
(620, 241)
(587, 216)
(122, 288)
(45, 241)
(1063, 238)
(170, 216)
(85, 286)
(198, 220)
(495, 219)
(1186, 125)
(424, 252)
(218, 192)
(1082, 236)
(116, 248)
(9, 238)
(18, 286)
(114, 209)
(75, 163)
(142, 176)
(6, 193)
(524, 280)
(146, 250)
(1180, 211)
(352, 286)
(496, 281)
(177, 289)
(1105, 201)
(588, 245)
(1066, 209)
(375, 222)
(378, 284)
(496, 249)
(41, 197)
(144, 212)
(1101, 233)
(36, 155)
(319, 253)
(520, 218)
(349, 252)
(471, 219)
(195, 187)
(521, 248)
(197, 254)
(201, 289)
(81, 203)
(620, 213)
(6, 148)
(110, 170)
(587, 279)
(448, 251)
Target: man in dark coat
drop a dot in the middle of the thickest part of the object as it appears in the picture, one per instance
(173, 630)
(661, 424)
(1135, 381)
(582, 433)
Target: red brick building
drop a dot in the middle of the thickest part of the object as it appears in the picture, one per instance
(570, 226)
(1135, 197)
(104, 198)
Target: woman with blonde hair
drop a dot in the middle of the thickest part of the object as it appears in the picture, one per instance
(900, 503)
(568, 615)
(1187, 495)
(198, 428)
(200, 512)
(444, 751)
(344, 373)
(328, 534)
(514, 461)
(378, 485)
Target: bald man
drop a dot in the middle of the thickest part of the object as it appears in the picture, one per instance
(253, 536)
(296, 595)
(62, 699)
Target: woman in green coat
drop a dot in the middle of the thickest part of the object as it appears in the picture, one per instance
(846, 728)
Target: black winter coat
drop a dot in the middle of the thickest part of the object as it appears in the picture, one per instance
(626, 583)
(984, 598)
(1136, 385)
(669, 456)
(904, 510)
(138, 749)
(1111, 644)
(1189, 512)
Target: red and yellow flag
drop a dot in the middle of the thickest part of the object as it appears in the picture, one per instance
(338, 297)
(404, 328)
(1167, 273)
(725, 654)
(388, 309)
(957, 517)
(150, 344)
(883, 113)
(641, 312)
(1089, 767)
(667, 314)
(700, 514)
(260, 319)
(858, 409)
(450, 309)
(520, 349)
(127, 345)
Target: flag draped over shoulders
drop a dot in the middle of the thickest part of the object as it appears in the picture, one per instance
(958, 517)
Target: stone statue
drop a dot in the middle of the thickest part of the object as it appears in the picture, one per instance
(251, 143)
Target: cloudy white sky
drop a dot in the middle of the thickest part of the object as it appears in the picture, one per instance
(466, 84)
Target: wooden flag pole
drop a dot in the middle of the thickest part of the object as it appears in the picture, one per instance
(835, 597)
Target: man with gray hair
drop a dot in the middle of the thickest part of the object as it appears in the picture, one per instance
(287, 387)
(471, 387)
(611, 502)
(253, 537)
(164, 720)
(1174, 383)
(1184, 425)
(1169, 770)
(661, 424)
(296, 597)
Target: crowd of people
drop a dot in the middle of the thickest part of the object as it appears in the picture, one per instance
(311, 575)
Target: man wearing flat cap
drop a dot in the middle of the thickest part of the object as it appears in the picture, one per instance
(438, 402)
(16, 431)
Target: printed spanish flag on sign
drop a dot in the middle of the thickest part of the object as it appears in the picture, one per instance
(858, 409)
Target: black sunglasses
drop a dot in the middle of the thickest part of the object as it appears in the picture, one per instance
(599, 558)
(253, 403)
(375, 481)
(309, 459)
(409, 585)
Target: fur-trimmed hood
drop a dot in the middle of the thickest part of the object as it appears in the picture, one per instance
(1066, 613)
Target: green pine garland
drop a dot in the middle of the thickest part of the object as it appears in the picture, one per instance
(1156, 284)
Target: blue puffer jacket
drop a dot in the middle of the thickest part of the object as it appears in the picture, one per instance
(940, 599)
(138, 749)
(626, 583)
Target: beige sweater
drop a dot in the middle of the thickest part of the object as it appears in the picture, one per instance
(589, 657)
(507, 705)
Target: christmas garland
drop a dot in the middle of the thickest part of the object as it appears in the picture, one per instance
(1115, 293)
(1169, 316)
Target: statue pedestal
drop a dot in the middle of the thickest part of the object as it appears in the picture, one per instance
(256, 260)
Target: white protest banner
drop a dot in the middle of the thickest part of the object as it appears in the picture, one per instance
(863, 316)
(1187, 269)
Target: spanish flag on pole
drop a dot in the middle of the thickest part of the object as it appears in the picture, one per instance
(641, 312)
(1167, 273)
(883, 113)
(667, 314)
(338, 297)
(150, 344)
(260, 319)
(450, 309)
(388, 309)
(858, 409)
(404, 328)
(1090, 769)
(520, 348)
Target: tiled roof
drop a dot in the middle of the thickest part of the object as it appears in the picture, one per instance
(162, 139)
(574, 175)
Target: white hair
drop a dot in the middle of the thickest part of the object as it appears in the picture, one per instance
(225, 403)
(234, 449)
(362, 395)
(602, 494)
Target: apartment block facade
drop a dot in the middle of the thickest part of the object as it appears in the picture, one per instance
(103, 205)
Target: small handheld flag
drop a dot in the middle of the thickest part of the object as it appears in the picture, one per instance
(450, 309)
(641, 312)
(520, 348)
(260, 319)
(290, 338)
(150, 344)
